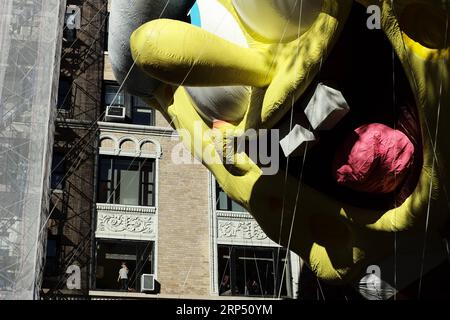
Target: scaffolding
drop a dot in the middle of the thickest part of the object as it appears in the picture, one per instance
(30, 42)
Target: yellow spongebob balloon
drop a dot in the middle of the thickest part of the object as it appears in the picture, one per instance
(256, 64)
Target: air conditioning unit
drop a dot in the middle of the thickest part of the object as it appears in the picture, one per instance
(115, 114)
(147, 282)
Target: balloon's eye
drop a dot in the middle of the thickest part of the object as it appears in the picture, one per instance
(426, 23)
(278, 20)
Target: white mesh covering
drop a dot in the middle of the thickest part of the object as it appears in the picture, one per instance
(30, 42)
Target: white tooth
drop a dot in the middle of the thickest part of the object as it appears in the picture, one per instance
(297, 141)
(326, 108)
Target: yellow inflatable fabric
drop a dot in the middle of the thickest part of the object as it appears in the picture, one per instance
(336, 239)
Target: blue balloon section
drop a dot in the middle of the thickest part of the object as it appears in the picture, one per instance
(195, 15)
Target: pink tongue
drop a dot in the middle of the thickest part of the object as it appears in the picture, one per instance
(374, 159)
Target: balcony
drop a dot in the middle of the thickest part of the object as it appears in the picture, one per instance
(126, 222)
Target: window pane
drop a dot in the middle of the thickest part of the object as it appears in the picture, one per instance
(138, 102)
(127, 173)
(129, 188)
(142, 113)
(126, 181)
(103, 192)
(237, 207)
(222, 203)
(51, 248)
(58, 171)
(105, 183)
(147, 170)
(51, 261)
(151, 171)
(110, 94)
(64, 93)
(143, 116)
(225, 203)
(224, 271)
(251, 271)
(105, 169)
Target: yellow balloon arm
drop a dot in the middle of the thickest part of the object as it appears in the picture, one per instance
(178, 53)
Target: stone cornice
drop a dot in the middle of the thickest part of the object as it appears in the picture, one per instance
(234, 215)
(136, 129)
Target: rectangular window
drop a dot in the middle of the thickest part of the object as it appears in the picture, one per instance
(112, 97)
(142, 113)
(51, 261)
(137, 110)
(225, 203)
(58, 171)
(137, 255)
(64, 93)
(252, 271)
(106, 39)
(127, 181)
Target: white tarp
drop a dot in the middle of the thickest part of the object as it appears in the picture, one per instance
(30, 44)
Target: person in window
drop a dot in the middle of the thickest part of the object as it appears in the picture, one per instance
(123, 277)
(225, 286)
(253, 287)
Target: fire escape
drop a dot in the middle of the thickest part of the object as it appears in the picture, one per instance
(72, 202)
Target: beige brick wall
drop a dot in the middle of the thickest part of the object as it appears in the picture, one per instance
(108, 72)
(160, 121)
(184, 243)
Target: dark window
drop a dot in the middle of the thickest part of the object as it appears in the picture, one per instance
(137, 110)
(105, 43)
(58, 171)
(142, 113)
(51, 261)
(127, 181)
(252, 271)
(138, 256)
(64, 93)
(225, 203)
(111, 97)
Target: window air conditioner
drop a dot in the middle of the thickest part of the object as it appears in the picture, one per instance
(115, 114)
(147, 282)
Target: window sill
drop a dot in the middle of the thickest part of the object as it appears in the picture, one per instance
(117, 295)
(125, 208)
